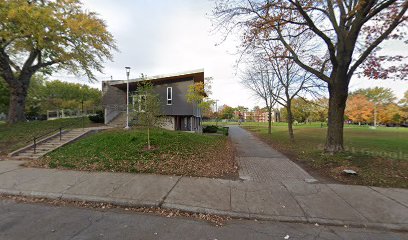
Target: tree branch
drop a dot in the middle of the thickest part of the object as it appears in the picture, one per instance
(381, 38)
(45, 64)
(313, 27)
(30, 60)
(332, 17)
(5, 69)
(378, 10)
(320, 75)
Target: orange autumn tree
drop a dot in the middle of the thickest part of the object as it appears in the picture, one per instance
(404, 107)
(359, 109)
(391, 113)
(198, 94)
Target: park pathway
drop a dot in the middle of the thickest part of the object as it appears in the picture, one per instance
(261, 163)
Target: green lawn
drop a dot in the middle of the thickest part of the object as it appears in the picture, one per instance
(379, 155)
(13, 137)
(173, 152)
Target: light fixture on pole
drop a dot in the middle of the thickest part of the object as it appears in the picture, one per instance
(127, 97)
(216, 112)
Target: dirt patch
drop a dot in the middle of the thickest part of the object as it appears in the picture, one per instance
(152, 148)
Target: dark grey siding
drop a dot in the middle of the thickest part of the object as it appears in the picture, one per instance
(114, 101)
(179, 106)
(113, 96)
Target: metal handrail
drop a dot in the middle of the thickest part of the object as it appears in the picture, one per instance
(45, 134)
(36, 138)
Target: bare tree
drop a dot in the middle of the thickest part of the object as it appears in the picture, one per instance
(294, 82)
(280, 80)
(262, 82)
(148, 110)
(346, 36)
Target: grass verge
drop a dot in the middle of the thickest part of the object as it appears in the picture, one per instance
(380, 156)
(173, 153)
(15, 136)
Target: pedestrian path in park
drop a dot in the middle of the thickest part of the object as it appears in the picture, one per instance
(260, 163)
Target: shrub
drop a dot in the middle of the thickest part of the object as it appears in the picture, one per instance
(210, 129)
(225, 130)
(98, 117)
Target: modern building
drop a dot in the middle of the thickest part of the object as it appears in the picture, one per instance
(172, 89)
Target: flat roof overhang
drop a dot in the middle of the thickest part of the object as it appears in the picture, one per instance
(197, 75)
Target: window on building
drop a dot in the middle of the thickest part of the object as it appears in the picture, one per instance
(142, 103)
(169, 96)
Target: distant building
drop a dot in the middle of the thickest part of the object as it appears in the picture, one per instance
(260, 115)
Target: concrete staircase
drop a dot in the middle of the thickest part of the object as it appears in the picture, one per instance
(51, 143)
(119, 121)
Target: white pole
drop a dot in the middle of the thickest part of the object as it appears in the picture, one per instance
(127, 98)
(375, 115)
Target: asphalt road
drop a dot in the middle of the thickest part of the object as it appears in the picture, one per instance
(40, 221)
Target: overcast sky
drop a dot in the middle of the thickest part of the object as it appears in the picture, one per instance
(160, 37)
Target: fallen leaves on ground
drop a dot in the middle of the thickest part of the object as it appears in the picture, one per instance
(211, 218)
(182, 154)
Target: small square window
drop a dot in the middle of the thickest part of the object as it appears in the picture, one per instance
(169, 96)
(142, 103)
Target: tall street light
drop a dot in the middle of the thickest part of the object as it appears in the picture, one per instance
(216, 111)
(127, 97)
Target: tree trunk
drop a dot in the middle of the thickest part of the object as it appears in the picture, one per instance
(375, 115)
(269, 121)
(148, 138)
(290, 122)
(18, 94)
(338, 92)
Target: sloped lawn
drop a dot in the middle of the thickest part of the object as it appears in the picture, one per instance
(174, 153)
(15, 136)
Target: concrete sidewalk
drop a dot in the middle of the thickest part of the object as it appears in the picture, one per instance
(291, 200)
(259, 162)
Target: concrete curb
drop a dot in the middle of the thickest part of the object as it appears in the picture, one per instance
(293, 219)
(193, 209)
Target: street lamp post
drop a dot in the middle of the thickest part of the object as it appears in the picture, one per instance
(82, 110)
(216, 111)
(127, 97)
